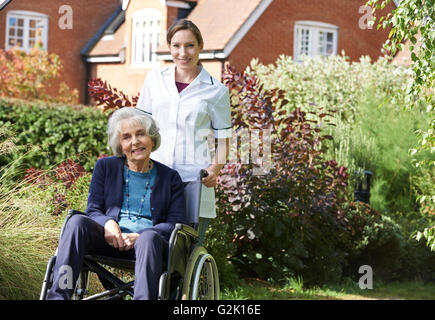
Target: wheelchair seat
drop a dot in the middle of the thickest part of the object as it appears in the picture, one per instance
(117, 263)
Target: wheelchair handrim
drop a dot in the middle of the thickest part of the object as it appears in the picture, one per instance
(208, 262)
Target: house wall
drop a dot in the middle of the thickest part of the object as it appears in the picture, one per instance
(88, 17)
(129, 79)
(124, 77)
(273, 33)
(171, 17)
(403, 57)
(270, 36)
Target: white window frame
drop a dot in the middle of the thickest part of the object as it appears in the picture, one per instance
(141, 55)
(27, 16)
(314, 29)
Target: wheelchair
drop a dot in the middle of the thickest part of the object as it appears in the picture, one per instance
(190, 272)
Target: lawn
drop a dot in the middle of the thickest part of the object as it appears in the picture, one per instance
(254, 289)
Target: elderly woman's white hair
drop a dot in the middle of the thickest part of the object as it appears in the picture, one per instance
(134, 114)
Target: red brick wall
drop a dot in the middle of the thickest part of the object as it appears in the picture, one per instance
(88, 17)
(172, 16)
(273, 32)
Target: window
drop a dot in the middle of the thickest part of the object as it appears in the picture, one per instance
(24, 29)
(145, 38)
(314, 39)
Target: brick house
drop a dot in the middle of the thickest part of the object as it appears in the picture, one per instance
(22, 22)
(120, 41)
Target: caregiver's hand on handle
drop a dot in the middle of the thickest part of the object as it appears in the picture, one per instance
(221, 157)
(209, 179)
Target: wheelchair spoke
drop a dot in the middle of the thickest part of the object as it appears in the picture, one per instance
(206, 282)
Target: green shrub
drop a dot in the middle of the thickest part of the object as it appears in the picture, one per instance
(379, 140)
(28, 237)
(289, 219)
(275, 230)
(60, 132)
(386, 244)
(330, 82)
(392, 129)
(374, 130)
(219, 242)
(382, 246)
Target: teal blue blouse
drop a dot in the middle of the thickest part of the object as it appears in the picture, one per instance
(135, 214)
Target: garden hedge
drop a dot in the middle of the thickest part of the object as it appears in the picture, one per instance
(59, 132)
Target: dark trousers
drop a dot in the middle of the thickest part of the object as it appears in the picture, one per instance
(82, 236)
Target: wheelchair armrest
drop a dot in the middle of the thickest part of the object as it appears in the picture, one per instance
(184, 228)
(72, 212)
(179, 229)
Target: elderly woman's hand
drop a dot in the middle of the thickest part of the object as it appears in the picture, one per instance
(129, 240)
(113, 236)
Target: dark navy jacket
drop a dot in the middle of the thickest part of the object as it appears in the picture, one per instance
(105, 195)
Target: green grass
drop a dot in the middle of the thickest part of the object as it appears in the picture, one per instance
(28, 236)
(28, 233)
(254, 289)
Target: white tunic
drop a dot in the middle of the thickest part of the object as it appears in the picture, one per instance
(185, 120)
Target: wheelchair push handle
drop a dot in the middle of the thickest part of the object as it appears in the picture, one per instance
(203, 173)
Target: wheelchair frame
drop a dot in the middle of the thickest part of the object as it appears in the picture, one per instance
(190, 272)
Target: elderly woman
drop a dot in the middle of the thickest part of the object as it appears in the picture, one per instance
(133, 205)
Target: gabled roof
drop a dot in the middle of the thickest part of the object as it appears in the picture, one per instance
(222, 21)
(4, 3)
(106, 45)
(223, 24)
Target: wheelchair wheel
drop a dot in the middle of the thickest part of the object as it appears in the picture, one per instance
(205, 285)
(81, 288)
(48, 278)
(201, 278)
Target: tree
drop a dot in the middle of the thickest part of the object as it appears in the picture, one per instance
(29, 75)
(413, 21)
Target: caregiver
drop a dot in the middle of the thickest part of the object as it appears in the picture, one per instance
(188, 103)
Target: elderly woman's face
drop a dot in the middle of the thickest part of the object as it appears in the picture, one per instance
(135, 144)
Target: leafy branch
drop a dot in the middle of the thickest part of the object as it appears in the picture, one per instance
(110, 98)
(413, 21)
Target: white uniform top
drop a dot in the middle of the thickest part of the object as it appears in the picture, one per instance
(185, 120)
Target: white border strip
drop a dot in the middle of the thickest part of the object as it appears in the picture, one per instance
(177, 4)
(107, 59)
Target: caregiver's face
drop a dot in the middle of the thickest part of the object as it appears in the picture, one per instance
(185, 49)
